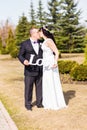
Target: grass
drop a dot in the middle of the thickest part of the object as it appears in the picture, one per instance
(12, 96)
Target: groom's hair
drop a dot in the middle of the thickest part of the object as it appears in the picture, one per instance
(32, 30)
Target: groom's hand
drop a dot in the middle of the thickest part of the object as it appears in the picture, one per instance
(26, 62)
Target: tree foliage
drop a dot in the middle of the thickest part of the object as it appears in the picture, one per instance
(85, 62)
(62, 18)
(32, 14)
(10, 41)
(0, 44)
(22, 30)
(21, 34)
(71, 33)
(40, 19)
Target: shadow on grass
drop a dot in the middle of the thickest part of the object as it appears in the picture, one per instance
(69, 95)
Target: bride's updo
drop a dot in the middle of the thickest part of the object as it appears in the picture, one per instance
(47, 32)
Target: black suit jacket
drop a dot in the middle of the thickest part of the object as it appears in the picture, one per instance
(26, 49)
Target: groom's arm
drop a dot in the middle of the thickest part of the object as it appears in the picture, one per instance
(21, 55)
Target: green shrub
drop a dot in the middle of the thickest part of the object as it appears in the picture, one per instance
(85, 55)
(66, 66)
(64, 51)
(4, 50)
(79, 72)
(14, 53)
(77, 50)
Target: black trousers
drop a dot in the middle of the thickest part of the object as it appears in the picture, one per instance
(29, 83)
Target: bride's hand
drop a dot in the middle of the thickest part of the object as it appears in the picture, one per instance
(54, 66)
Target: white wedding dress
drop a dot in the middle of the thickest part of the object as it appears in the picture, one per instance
(53, 97)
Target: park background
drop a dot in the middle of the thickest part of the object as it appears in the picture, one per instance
(67, 21)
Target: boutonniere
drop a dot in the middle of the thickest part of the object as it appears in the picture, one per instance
(40, 43)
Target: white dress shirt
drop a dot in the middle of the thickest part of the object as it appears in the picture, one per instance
(35, 46)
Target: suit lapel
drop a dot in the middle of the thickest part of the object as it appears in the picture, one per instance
(39, 49)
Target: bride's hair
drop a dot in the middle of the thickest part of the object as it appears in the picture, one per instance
(47, 33)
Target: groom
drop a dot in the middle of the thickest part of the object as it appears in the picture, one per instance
(30, 55)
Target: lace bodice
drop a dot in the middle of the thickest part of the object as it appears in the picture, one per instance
(48, 56)
(45, 48)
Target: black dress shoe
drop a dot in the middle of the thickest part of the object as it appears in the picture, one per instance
(30, 109)
(40, 106)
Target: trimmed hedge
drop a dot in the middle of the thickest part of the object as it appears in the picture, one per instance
(75, 50)
(66, 66)
(79, 72)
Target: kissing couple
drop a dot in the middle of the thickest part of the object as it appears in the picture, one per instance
(41, 68)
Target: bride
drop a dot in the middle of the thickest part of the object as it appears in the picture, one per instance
(53, 97)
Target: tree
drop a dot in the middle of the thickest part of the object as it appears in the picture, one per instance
(0, 44)
(21, 34)
(41, 20)
(54, 12)
(10, 42)
(22, 30)
(71, 33)
(4, 31)
(85, 50)
(32, 14)
(85, 61)
(54, 18)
